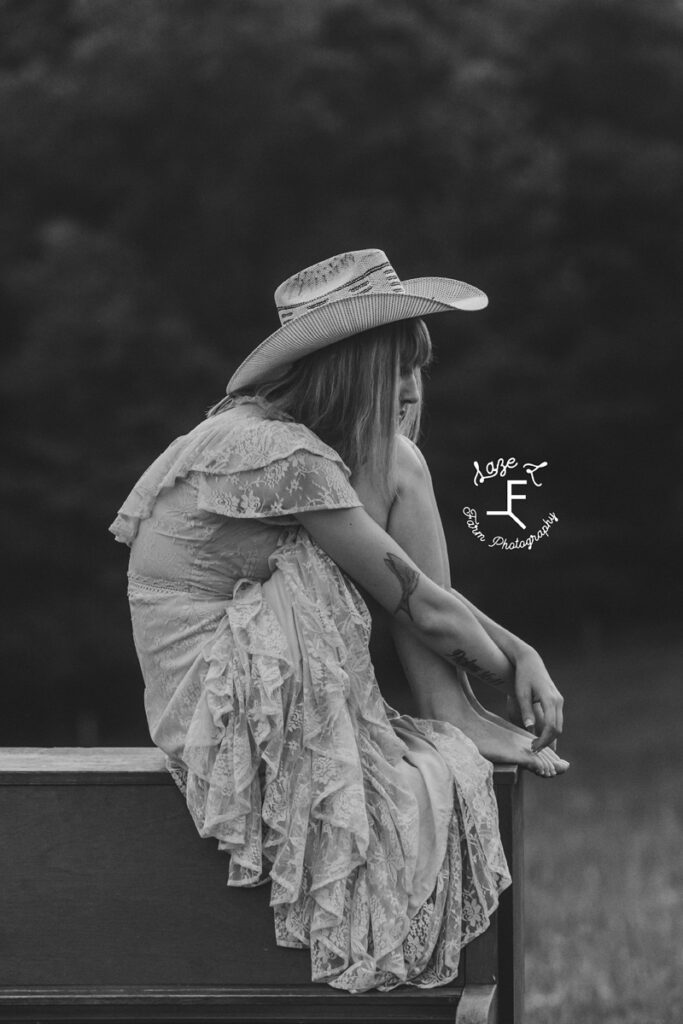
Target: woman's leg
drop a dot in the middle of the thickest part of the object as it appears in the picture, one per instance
(439, 690)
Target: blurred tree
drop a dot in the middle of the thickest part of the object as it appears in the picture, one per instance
(164, 164)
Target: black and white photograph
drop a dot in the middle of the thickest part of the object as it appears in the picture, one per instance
(341, 511)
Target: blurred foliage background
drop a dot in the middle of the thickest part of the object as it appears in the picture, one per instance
(165, 163)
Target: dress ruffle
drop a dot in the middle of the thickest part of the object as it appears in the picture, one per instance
(245, 465)
(294, 762)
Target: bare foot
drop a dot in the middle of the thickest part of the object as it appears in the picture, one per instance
(497, 740)
(560, 764)
(502, 745)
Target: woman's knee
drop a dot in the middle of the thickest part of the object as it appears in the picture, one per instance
(414, 521)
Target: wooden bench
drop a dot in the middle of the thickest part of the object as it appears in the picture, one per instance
(114, 909)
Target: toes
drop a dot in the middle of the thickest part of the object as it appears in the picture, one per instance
(545, 763)
(558, 763)
(550, 760)
(548, 768)
(543, 766)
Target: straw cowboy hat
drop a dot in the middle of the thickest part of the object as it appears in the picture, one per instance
(340, 297)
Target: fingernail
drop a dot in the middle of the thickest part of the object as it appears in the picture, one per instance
(529, 724)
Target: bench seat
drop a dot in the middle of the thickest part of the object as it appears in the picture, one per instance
(114, 909)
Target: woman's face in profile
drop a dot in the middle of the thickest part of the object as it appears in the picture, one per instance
(408, 392)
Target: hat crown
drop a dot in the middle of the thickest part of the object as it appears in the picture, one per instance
(343, 296)
(335, 279)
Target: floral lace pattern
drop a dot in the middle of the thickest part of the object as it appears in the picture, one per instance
(295, 766)
(246, 466)
(378, 832)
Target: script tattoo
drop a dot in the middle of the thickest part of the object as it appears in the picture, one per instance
(407, 577)
(471, 665)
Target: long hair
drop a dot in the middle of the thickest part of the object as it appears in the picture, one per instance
(347, 394)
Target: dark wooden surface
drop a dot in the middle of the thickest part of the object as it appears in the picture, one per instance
(510, 798)
(115, 909)
(315, 1003)
(112, 885)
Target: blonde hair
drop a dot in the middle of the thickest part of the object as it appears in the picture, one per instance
(347, 394)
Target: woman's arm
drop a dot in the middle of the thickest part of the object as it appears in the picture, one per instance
(376, 562)
(533, 684)
(532, 681)
(510, 644)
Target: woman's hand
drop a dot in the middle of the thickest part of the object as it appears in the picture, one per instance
(373, 559)
(534, 687)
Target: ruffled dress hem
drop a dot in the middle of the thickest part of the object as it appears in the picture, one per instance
(297, 766)
(377, 832)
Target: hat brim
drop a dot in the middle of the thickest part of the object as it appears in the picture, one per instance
(337, 320)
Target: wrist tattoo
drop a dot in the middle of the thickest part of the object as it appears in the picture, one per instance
(459, 657)
(407, 577)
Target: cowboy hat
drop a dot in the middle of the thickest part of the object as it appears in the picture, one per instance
(343, 296)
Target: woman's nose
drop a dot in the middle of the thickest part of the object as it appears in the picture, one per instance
(409, 391)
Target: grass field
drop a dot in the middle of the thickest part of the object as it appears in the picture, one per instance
(604, 844)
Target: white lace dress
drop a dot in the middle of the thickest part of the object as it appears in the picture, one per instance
(378, 832)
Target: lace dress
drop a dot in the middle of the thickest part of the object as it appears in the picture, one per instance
(378, 832)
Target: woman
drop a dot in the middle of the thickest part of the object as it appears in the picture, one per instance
(378, 831)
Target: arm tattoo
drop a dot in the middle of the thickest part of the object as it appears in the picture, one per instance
(459, 657)
(407, 577)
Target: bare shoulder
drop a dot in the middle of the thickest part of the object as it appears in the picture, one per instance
(411, 464)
